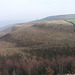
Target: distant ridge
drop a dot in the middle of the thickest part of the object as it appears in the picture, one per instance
(58, 17)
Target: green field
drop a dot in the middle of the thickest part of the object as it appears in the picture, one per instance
(73, 21)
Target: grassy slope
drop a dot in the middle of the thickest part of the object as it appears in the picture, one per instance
(58, 17)
(73, 21)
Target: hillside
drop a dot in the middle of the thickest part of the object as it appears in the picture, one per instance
(10, 28)
(38, 48)
(58, 17)
(43, 35)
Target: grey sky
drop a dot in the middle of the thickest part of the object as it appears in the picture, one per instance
(34, 9)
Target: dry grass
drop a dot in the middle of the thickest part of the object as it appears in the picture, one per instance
(52, 34)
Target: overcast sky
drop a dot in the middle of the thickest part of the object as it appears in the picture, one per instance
(34, 9)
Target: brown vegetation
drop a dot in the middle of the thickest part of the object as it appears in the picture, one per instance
(46, 48)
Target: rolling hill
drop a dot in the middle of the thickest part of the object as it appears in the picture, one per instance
(41, 35)
(58, 17)
(38, 48)
(10, 28)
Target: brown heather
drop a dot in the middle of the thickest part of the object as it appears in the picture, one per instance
(38, 48)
